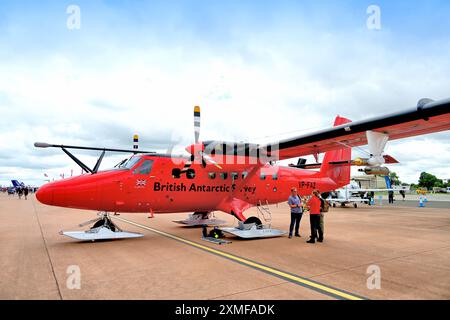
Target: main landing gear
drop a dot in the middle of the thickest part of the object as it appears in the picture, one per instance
(253, 228)
(254, 220)
(103, 229)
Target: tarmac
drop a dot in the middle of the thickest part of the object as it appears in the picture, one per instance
(410, 246)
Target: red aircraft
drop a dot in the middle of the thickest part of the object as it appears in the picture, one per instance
(233, 177)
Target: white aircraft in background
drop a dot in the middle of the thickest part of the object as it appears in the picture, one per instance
(353, 194)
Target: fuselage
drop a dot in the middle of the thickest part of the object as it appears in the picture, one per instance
(153, 183)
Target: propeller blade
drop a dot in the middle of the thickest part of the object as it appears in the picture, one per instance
(377, 142)
(207, 158)
(197, 148)
(197, 123)
(188, 164)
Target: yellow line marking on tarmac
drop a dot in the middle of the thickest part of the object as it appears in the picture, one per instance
(292, 278)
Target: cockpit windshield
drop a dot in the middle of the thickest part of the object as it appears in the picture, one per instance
(130, 163)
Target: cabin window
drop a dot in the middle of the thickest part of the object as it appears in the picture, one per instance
(190, 174)
(176, 173)
(144, 168)
(212, 175)
(275, 176)
(244, 174)
(262, 176)
(224, 175)
(234, 176)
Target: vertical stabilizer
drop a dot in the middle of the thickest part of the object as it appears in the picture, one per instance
(339, 173)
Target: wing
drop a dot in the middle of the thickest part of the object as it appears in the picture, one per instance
(428, 117)
(370, 190)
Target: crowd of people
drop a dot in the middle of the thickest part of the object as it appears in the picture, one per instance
(21, 192)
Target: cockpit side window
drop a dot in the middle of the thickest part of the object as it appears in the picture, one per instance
(144, 168)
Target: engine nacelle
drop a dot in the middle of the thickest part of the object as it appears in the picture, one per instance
(382, 171)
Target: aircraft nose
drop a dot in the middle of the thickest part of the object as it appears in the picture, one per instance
(45, 195)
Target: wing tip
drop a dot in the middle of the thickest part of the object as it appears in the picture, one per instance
(423, 102)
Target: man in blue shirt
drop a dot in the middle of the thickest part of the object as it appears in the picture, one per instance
(296, 212)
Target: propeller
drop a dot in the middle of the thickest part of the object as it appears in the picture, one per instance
(197, 123)
(197, 150)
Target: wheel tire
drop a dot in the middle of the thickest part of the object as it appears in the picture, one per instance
(216, 234)
(254, 220)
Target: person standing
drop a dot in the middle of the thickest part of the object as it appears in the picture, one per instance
(402, 192)
(324, 207)
(314, 205)
(391, 196)
(19, 192)
(25, 192)
(296, 212)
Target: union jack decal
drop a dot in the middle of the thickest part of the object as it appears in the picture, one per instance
(141, 183)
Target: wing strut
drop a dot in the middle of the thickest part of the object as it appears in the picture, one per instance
(78, 161)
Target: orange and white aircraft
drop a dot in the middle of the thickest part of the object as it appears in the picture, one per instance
(233, 177)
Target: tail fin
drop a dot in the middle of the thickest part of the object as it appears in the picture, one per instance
(339, 173)
(16, 183)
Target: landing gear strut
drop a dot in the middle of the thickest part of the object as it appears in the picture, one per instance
(253, 228)
(105, 222)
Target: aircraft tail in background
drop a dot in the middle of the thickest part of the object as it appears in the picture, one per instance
(17, 184)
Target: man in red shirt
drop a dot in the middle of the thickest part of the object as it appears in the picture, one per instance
(314, 205)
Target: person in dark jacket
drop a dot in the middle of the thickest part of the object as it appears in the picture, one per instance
(391, 196)
(19, 192)
(314, 205)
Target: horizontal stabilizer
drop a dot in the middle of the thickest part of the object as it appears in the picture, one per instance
(390, 160)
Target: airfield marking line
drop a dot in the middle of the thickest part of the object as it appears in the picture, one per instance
(324, 289)
(46, 250)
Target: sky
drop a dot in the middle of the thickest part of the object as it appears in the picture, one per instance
(260, 70)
